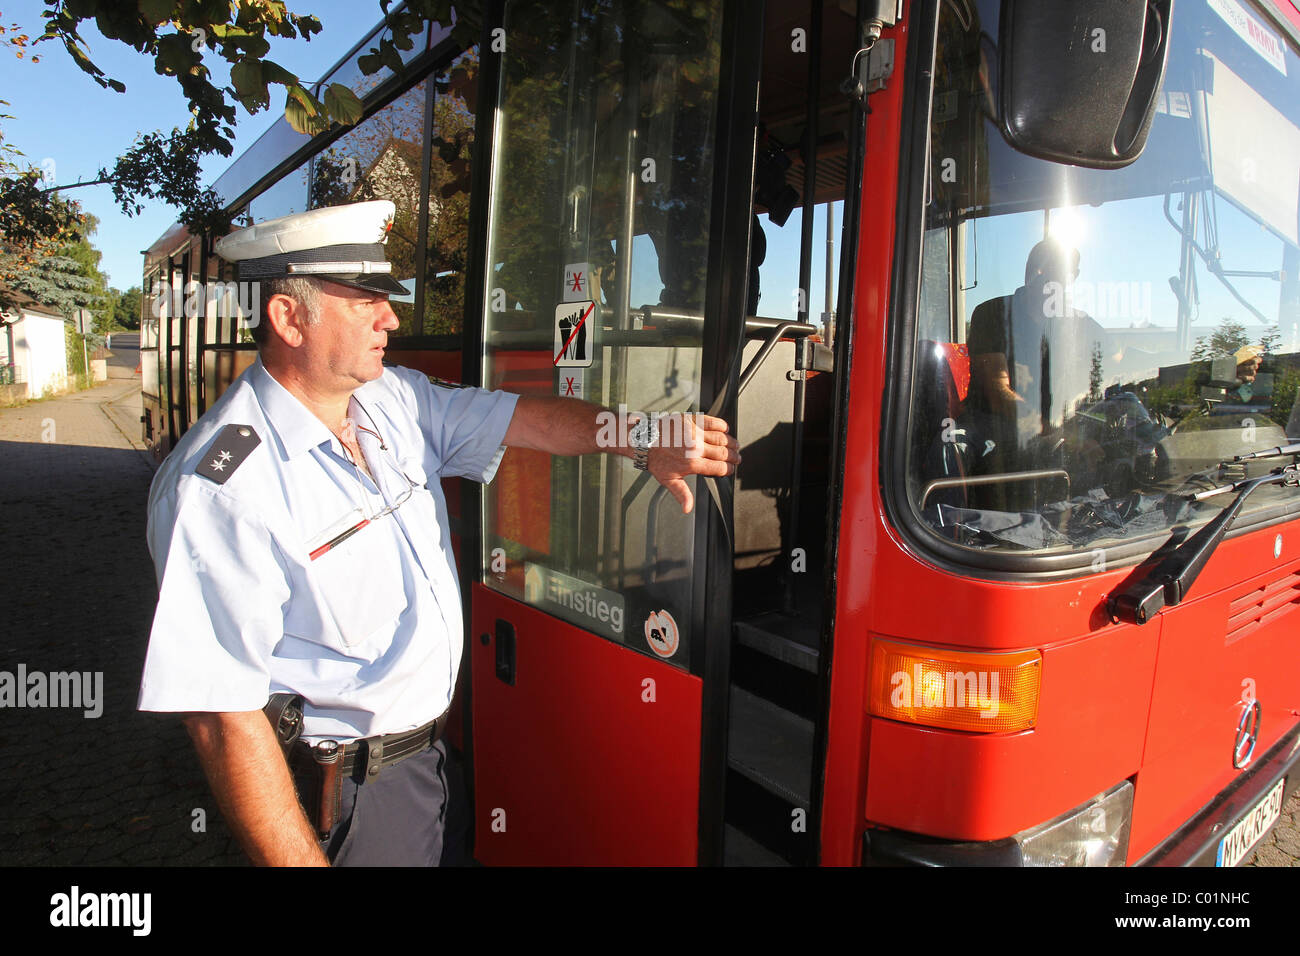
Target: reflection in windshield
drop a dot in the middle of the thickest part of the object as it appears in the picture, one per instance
(1092, 346)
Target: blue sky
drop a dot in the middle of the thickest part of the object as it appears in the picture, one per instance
(65, 121)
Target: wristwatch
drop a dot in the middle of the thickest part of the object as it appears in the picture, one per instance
(641, 438)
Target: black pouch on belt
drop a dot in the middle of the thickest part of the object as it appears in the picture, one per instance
(284, 711)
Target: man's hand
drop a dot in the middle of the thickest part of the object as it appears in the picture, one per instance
(245, 766)
(688, 444)
(691, 445)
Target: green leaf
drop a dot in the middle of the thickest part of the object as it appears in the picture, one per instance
(392, 59)
(275, 73)
(303, 111)
(256, 46)
(369, 63)
(82, 60)
(247, 77)
(117, 85)
(343, 105)
(156, 11)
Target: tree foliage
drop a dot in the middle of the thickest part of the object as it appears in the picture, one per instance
(181, 36)
(184, 38)
(61, 273)
(1224, 340)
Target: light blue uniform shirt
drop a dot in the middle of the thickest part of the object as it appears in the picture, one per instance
(369, 633)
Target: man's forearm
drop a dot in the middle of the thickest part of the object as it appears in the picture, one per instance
(564, 426)
(687, 445)
(251, 782)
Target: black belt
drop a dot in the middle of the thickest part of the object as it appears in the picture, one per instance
(373, 754)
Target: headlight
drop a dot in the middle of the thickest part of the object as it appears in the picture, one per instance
(1093, 834)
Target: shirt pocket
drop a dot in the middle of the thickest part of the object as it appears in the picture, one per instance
(361, 583)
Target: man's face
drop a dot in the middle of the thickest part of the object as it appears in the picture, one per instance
(345, 349)
(1248, 369)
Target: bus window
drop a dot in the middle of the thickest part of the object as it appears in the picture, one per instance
(380, 159)
(447, 253)
(598, 245)
(1094, 345)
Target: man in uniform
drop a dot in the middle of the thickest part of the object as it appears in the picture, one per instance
(301, 544)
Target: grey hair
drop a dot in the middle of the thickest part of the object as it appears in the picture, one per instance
(303, 290)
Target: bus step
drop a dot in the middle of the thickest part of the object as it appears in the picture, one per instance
(771, 747)
(766, 820)
(786, 638)
(740, 849)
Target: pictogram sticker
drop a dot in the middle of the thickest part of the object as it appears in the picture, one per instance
(577, 281)
(575, 334)
(661, 633)
(571, 383)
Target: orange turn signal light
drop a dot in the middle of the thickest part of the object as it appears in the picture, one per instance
(956, 690)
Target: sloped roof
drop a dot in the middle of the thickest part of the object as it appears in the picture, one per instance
(27, 304)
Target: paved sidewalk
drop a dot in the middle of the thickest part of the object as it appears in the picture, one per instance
(77, 595)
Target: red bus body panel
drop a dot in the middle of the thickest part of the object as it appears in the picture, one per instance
(609, 777)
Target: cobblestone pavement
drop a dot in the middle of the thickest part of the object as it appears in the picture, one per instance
(78, 595)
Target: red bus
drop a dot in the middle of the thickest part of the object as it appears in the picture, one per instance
(1004, 307)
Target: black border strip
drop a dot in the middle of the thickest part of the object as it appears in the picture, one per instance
(728, 277)
(471, 363)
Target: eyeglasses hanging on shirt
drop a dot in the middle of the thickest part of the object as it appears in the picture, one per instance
(353, 527)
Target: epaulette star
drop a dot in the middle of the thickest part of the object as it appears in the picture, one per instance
(227, 452)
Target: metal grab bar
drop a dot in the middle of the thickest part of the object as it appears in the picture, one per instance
(993, 480)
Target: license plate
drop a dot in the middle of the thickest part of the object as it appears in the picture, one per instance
(1243, 837)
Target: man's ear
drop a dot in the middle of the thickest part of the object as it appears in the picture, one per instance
(288, 317)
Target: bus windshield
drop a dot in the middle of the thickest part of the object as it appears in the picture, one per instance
(1092, 346)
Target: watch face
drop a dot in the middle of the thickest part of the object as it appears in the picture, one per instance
(644, 433)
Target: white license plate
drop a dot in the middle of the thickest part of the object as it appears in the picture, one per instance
(1243, 837)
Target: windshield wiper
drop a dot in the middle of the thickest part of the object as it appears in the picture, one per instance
(1168, 582)
(1270, 453)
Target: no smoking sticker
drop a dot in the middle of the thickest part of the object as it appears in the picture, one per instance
(577, 281)
(661, 633)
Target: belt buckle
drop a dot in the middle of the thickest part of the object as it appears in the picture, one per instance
(374, 756)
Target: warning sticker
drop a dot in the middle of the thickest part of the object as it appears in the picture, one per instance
(661, 633)
(570, 384)
(575, 334)
(577, 281)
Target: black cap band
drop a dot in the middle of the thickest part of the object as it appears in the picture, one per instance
(277, 266)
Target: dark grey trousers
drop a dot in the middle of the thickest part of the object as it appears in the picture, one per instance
(396, 818)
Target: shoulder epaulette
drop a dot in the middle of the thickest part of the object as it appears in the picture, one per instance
(227, 452)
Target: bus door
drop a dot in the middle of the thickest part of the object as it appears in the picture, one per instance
(621, 150)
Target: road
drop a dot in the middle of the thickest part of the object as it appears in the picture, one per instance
(120, 788)
(78, 596)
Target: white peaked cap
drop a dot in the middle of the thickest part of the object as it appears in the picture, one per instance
(340, 243)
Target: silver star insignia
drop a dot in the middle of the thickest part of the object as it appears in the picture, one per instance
(218, 465)
(225, 456)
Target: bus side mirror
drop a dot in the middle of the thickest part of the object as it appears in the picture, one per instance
(1079, 80)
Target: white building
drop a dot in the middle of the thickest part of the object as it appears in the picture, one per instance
(33, 347)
